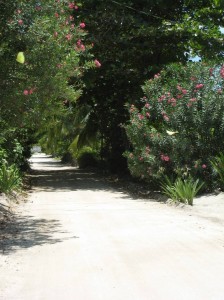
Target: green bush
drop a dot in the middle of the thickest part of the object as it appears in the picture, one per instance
(178, 126)
(3, 156)
(218, 166)
(10, 178)
(87, 157)
(183, 190)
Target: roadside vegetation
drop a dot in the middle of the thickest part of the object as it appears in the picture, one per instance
(113, 85)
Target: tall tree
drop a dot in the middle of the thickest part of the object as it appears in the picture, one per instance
(133, 40)
(41, 66)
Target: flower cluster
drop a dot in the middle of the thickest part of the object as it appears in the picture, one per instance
(28, 92)
(73, 6)
(97, 63)
(222, 71)
(165, 157)
(181, 121)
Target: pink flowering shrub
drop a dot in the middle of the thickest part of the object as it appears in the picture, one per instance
(55, 56)
(178, 126)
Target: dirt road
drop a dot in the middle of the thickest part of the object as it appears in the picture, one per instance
(78, 239)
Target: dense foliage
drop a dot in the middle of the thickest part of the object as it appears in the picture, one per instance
(69, 69)
(133, 41)
(41, 68)
(180, 123)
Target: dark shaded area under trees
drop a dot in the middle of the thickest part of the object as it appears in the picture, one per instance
(133, 41)
(73, 103)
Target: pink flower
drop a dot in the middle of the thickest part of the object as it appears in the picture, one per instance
(204, 166)
(71, 18)
(141, 117)
(78, 43)
(20, 22)
(76, 7)
(82, 47)
(173, 101)
(147, 105)
(199, 86)
(97, 63)
(222, 71)
(162, 98)
(31, 91)
(166, 118)
(184, 91)
(71, 5)
(147, 114)
(179, 96)
(25, 92)
(68, 36)
(140, 158)
(164, 157)
(193, 100)
(189, 104)
(19, 11)
(55, 34)
(82, 25)
(56, 15)
(211, 71)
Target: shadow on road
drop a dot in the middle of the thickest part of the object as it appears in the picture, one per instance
(54, 176)
(26, 232)
(51, 175)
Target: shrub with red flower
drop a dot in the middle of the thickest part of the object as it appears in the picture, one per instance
(52, 66)
(97, 63)
(82, 25)
(181, 120)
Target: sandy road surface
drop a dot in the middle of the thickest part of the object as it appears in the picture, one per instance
(79, 239)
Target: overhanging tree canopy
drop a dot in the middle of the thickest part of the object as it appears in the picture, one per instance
(133, 40)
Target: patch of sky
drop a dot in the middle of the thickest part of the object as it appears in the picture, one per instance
(198, 58)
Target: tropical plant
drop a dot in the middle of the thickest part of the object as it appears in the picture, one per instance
(3, 156)
(218, 166)
(10, 178)
(87, 157)
(183, 190)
